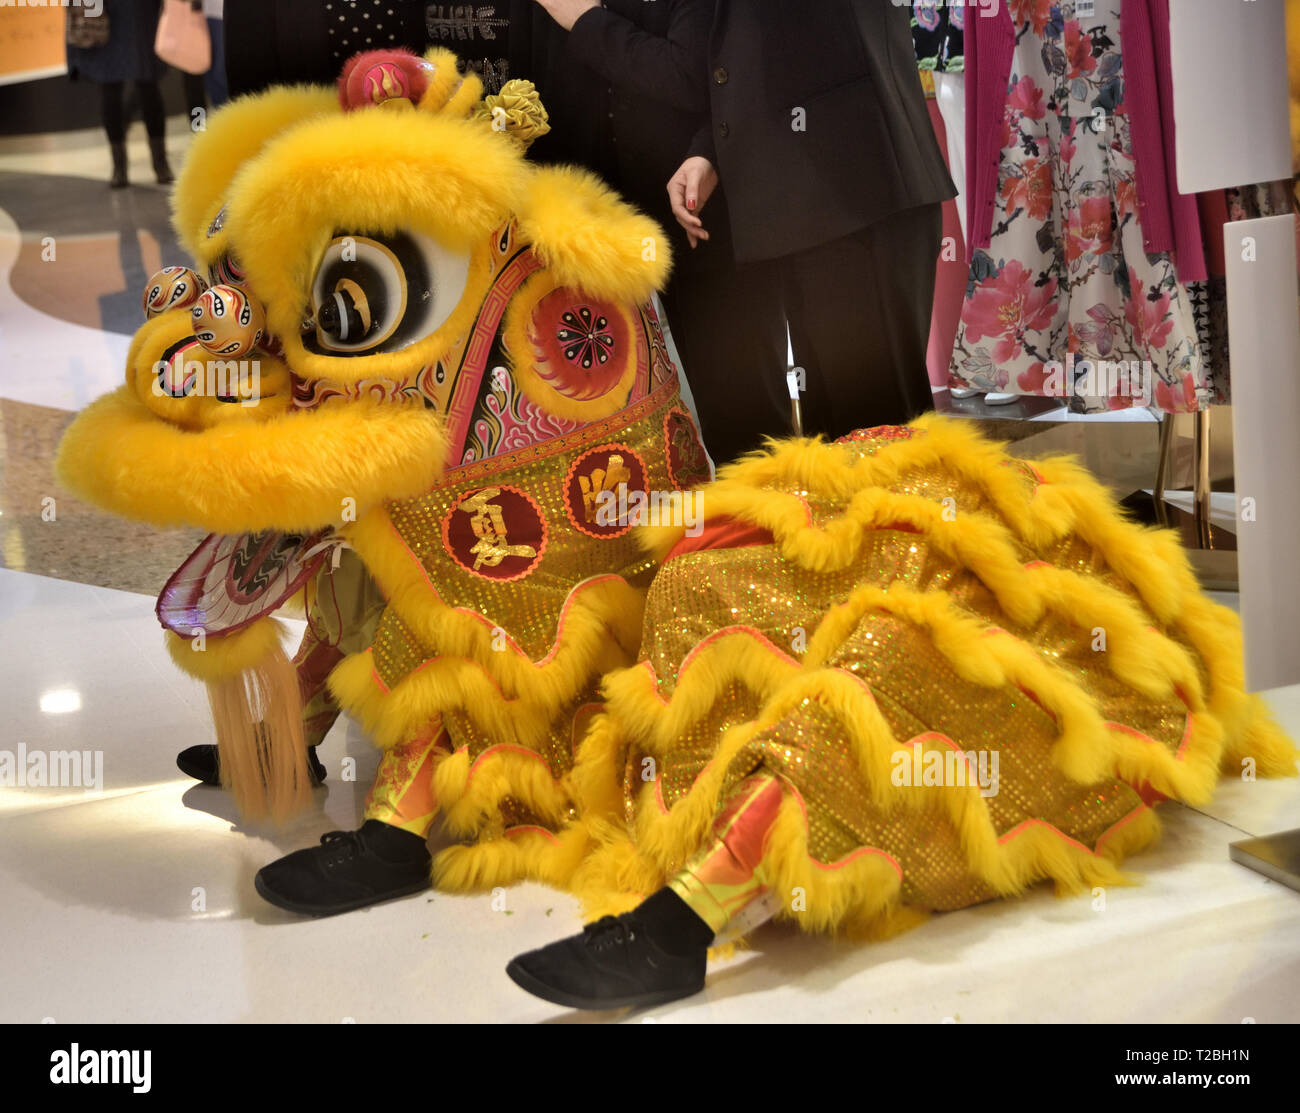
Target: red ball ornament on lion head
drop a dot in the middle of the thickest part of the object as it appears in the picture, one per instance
(376, 77)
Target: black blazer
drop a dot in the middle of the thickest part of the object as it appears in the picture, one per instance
(627, 91)
(818, 121)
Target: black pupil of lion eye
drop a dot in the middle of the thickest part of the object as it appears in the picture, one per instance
(372, 292)
(340, 318)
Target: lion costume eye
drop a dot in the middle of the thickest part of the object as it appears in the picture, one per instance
(376, 293)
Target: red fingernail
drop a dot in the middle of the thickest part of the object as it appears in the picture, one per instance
(690, 204)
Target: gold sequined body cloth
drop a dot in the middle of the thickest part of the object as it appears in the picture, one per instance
(969, 673)
(517, 582)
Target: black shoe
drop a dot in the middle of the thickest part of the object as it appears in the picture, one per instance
(350, 869)
(203, 764)
(615, 963)
(161, 170)
(118, 180)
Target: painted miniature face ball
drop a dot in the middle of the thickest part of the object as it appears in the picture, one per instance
(228, 322)
(172, 288)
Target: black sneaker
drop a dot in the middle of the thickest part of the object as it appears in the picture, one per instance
(613, 964)
(350, 869)
(202, 763)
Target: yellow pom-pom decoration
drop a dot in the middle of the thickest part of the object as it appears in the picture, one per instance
(517, 111)
(172, 288)
(227, 322)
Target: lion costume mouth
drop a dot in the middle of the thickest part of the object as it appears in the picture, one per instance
(232, 580)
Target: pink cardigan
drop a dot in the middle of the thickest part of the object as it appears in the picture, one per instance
(1168, 218)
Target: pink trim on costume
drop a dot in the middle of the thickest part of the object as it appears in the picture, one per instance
(573, 739)
(1038, 564)
(1118, 824)
(1019, 827)
(941, 737)
(659, 786)
(1124, 728)
(681, 671)
(424, 573)
(531, 829)
(565, 607)
(505, 747)
(699, 646)
(1041, 705)
(465, 660)
(852, 855)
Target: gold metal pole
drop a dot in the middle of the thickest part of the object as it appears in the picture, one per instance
(1204, 538)
(796, 411)
(1162, 469)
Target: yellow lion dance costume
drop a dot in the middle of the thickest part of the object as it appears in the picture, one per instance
(896, 673)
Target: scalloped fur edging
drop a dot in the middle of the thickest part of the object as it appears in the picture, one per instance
(860, 895)
(594, 611)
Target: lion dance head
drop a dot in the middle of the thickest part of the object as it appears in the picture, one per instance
(401, 337)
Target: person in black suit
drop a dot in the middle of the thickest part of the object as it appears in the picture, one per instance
(291, 42)
(625, 84)
(819, 136)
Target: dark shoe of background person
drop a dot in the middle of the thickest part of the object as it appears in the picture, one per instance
(203, 764)
(118, 180)
(653, 954)
(163, 172)
(349, 870)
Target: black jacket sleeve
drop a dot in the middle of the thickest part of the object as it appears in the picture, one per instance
(702, 145)
(670, 68)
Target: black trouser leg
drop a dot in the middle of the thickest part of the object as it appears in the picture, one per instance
(151, 108)
(111, 111)
(729, 329)
(195, 97)
(859, 309)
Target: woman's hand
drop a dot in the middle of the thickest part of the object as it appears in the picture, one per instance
(688, 190)
(566, 12)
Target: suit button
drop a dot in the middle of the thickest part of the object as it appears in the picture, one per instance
(723, 130)
(720, 75)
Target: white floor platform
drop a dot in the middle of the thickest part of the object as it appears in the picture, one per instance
(137, 904)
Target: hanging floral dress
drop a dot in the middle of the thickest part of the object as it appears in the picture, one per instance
(1066, 274)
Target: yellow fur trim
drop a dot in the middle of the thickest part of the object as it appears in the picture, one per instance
(203, 409)
(523, 359)
(446, 684)
(445, 83)
(861, 895)
(226, 655)
(505, 693)
(470, 794)
(369, 172)
(760, 489)
(302, 470)
(233, 135)
(590, 239)
(516, 856)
